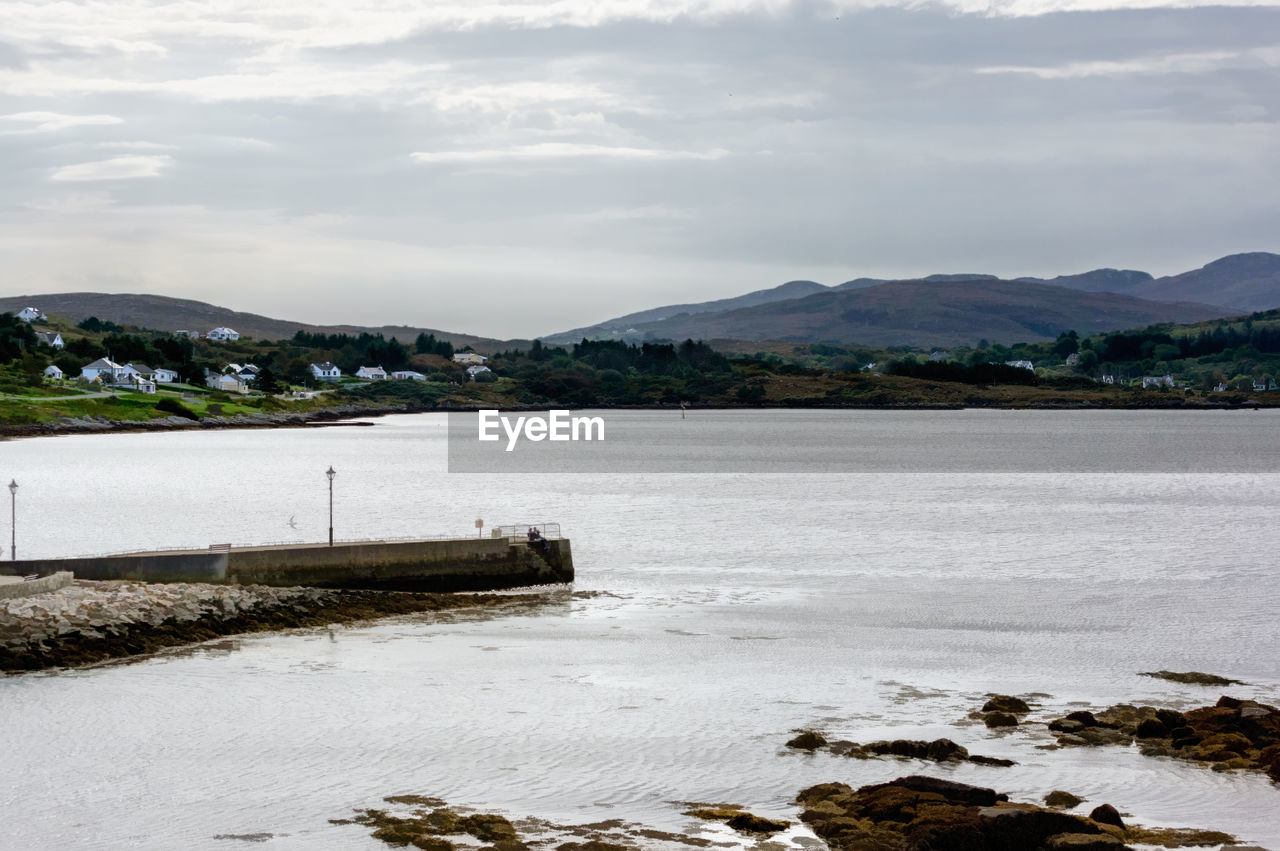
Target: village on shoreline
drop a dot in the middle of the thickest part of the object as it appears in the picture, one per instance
(94, 376)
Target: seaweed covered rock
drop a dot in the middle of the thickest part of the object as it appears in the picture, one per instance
(1232, 734)
(1061, 800)
(1006, 703)
(938, 750)
(426, 829)
(737, 818)
(808, 740)
(1083, 842)
(1001, 710)
(489, 827)
(748, 823)
(1000, 719)
(1107, 814)
(918, 812)
(1197, 678)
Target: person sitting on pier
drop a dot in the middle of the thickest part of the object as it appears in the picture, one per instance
(536, 539)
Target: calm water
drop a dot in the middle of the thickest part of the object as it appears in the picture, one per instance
(948, 555)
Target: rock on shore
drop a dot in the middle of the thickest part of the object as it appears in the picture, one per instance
(920, 813)
(91, 622)
(1233, 733)
(938, 750)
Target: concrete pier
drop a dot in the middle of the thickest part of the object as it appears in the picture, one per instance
(462, 564)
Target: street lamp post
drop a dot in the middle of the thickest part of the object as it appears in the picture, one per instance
(13, 519)
(330, 473)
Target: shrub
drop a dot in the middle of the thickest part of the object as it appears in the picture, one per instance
(173, 406)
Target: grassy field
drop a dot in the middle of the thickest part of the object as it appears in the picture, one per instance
(140, 407)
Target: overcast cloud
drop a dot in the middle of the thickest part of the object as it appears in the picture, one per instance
(511, 169)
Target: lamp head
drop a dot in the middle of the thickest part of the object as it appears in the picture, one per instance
(331, 472)
(13, 486)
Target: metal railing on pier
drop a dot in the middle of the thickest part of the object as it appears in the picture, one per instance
(550, 531)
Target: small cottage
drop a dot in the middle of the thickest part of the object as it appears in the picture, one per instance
(109, 372)
(325, 371)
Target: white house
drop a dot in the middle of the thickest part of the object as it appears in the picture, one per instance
(1157, 381)
(139, 384)
(53, 372)
(50, 338)
(372, 373)
(109, 371)
(166, 376)
(1020, 364)
(325, 371)
(408, 375)
(222, 333)
(139, 369)
(226, 383)
(248, 373)
(470, 358)
(30, 314)
(473, 371)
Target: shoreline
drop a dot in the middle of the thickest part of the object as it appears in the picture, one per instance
(338, 415)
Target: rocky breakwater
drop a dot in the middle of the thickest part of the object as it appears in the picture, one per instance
(1232, 734)
(90, 622)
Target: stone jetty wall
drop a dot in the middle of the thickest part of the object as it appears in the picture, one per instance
(465, 564)
(43, 585)
(193, 566)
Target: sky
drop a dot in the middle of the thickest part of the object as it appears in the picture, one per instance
(514, 169)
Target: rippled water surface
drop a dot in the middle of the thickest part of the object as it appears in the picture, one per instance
(947, 555)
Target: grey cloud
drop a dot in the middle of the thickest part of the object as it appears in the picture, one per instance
(865, 145)
(11, 57)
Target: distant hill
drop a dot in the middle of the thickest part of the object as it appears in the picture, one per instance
(922, 313)
(1244, 282)
(163, 313)
(806, 311)
(1122, 281)
(782, 292)
(1247, 281)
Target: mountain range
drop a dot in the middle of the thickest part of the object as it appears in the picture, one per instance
(951, 309)
(936, 310)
